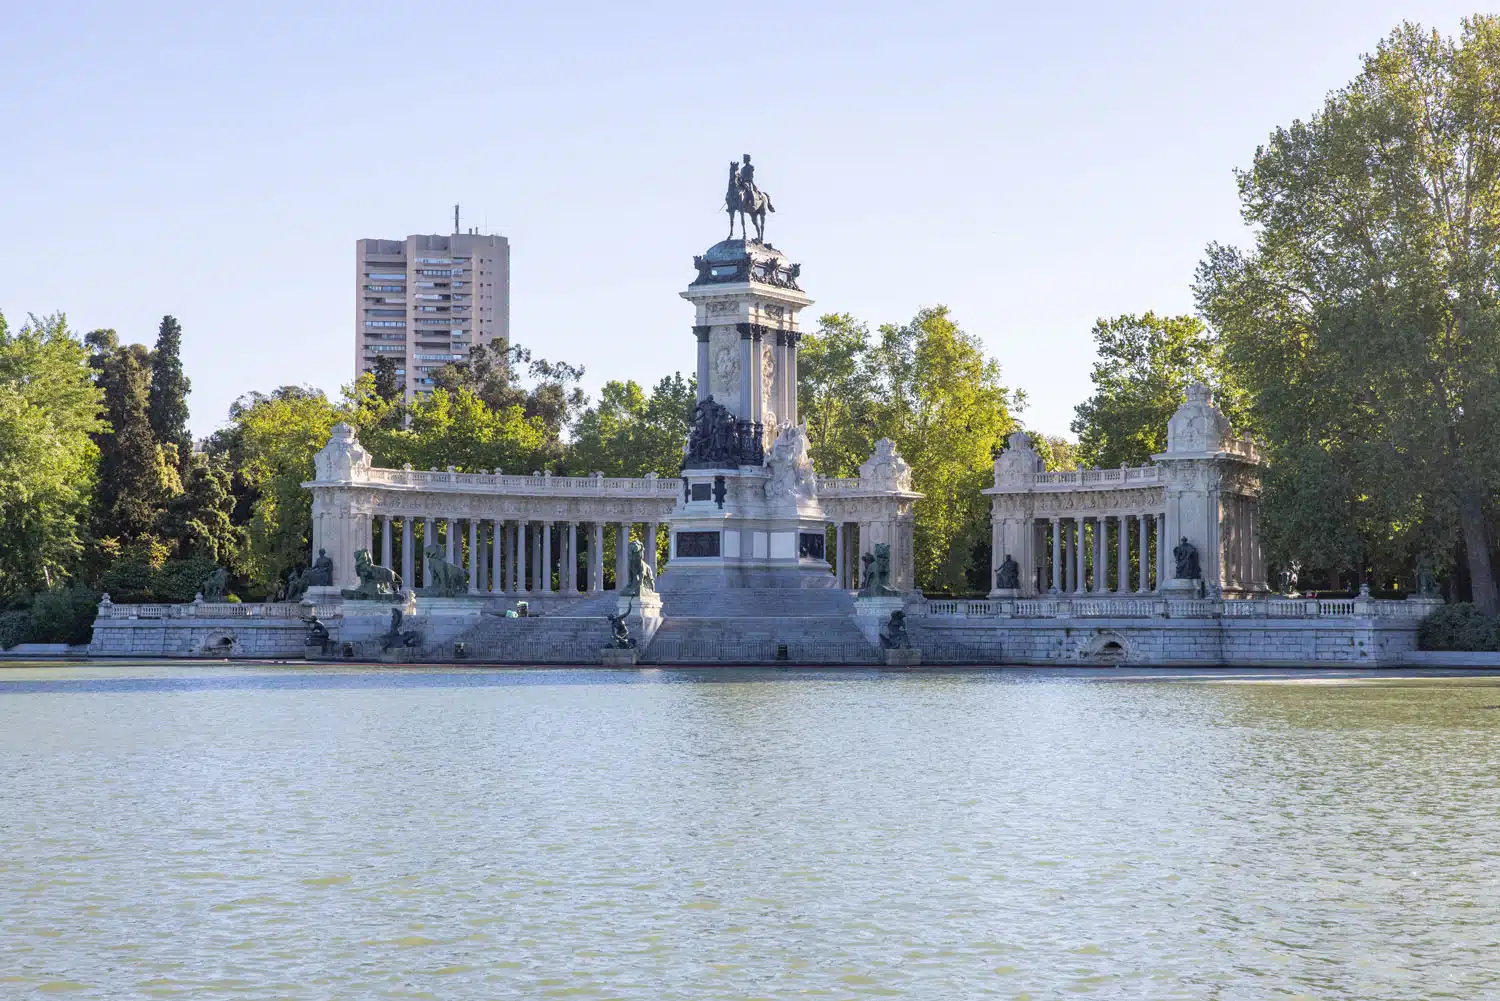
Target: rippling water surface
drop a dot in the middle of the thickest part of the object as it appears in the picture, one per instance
(267, 832)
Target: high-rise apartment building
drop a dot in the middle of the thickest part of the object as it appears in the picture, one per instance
(426, 300)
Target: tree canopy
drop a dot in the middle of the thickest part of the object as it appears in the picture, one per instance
(928, 386)
(1145, 364)
(50, 411)
(1363, 324)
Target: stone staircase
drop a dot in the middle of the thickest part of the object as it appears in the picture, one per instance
(759, 626)
(550, 639)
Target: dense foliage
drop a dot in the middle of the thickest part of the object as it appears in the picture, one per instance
(927, 386)
(50, 409)
(1460, 626)
(1359, 338)
(1145, 364)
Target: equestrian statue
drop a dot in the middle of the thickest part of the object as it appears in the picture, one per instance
(746, 199)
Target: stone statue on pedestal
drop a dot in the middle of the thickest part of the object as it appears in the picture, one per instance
(317, 634)
(878, 573)
(376, 583)
(620, 638)
(641, 576)
(1426, 588)
(320, 574)
(1186, 555)
(214, 585)
(894, 637)
(1008, 574)
(396, 636)
(745, 198)
(448, 579)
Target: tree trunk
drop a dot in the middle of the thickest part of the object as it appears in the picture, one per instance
(1477, 549)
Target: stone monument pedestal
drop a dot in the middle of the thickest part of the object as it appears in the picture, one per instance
(642, 617)
(742, 528)
(612, 657)
(1180, 588)
(872, 614)
(909, 657)
(1005, 592)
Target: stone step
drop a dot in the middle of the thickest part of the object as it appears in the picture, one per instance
(805, 639)
(754, 602)
(553, 639)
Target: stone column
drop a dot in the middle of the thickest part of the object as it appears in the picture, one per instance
(572, 557)
(1122, 556)
(1144, 554)
(1057, 530)
(523, 582)
(596, 557)
(792, 338)
(653, 537)
(757, 378)
(1082, 580)
(1162, 549)
(840, 568)
(622, 554)
(547, 556)
(473, 556)
(701, 332)
(746, 350)
(450, 534)
(1101, 547)
(385, 540)
(408, 554)
(497, 571)
(429, 538)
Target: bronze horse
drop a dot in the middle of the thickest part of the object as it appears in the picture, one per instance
(735, 201)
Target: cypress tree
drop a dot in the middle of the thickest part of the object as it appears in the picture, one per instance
(386, 386)
(169, 391)
(134, 480)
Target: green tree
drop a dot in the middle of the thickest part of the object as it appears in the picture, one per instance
(943, 404)
(137, 476)
(631, 432)
(494, 374)
(837, 393)
(50, 409)
(1057, 453)
(1364, 322)
(278, 436)
(201, 519)
(1144, 367)
(168, 405)
(387, 386)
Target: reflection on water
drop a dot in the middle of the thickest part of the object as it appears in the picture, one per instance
(278, 833)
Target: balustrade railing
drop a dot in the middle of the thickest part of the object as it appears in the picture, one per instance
(550, 485)
(1151, 606)
(1129, 475)
(216, 610)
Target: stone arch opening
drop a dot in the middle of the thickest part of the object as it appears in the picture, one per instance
(220, 643)
(1106, 648)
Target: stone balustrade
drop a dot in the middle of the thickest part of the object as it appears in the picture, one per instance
(535, 485)
(216, 610)
(1127, 476)
(1132, 608)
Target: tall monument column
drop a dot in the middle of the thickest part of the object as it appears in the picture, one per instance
(749, 515)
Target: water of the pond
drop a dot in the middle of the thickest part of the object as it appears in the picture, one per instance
(271, 832)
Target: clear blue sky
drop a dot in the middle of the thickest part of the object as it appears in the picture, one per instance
(1032, 166)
